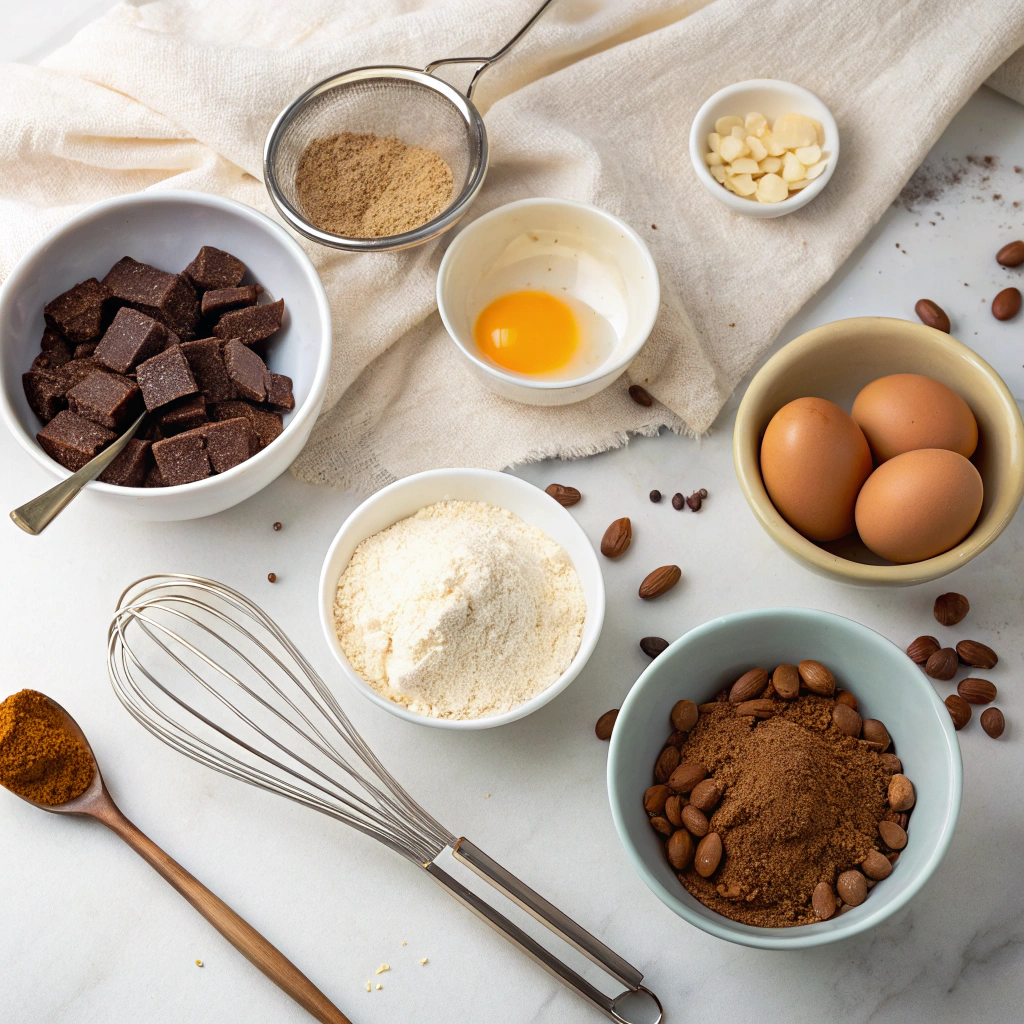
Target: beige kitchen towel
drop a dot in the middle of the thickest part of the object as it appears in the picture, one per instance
(595, 105)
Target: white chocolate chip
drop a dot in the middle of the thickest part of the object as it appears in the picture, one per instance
(744, 165)
(815, 169)
(792, 169)
(757, 150)
(771, 189)
(713, 159)
(718, 173)
(714, 141)
(732, 148)
(737, 131)
(755, 123)
(808, 155)
(795, 186)
(725, 124)
(743, 184)
(770, 165)
(794, 130)
(819, 131)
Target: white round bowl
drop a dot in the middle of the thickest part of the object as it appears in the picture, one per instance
(770, 97)
(405, 498)
(588, 253)
(167, 229)
(887, 685)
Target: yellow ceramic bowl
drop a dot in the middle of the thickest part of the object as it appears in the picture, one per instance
(835, 361)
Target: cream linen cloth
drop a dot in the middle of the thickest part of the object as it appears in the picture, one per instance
(594, 105)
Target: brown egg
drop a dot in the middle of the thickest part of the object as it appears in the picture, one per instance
(814, 459)
(906, 411)
(919, 504)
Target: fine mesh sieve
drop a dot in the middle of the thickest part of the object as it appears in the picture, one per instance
(416, 107)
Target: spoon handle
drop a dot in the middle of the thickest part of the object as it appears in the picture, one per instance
(253, 946)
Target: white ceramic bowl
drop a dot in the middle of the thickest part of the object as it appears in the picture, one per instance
(770, 97)
(406, 497)
(556, 246)
(887, 685)
(167, 229)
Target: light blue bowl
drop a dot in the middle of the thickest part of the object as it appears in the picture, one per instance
(888, 686)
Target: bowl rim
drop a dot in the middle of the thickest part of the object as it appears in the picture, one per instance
(741, 204)
(749, 473)
(308, 409)
(802, 937)
(606, 369)
(328, 586)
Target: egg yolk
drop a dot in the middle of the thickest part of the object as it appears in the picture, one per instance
(527, 332)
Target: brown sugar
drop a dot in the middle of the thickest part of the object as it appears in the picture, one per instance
(360, 185)
(40, 759)
(801, 804)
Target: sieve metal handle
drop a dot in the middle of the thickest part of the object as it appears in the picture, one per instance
(486, 62)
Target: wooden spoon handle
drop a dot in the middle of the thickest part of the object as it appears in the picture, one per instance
(253, 946)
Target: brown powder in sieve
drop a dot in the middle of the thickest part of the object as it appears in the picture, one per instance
(370, 186)
(802, 803)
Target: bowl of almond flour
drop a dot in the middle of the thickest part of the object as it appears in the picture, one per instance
(461, 598)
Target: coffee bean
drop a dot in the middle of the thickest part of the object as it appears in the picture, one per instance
(655, 798)
(678, 501)
(1011, 254)
(674, 807)
(852, 888)
(684, 715)
(931, 314)
(705, 795)
(846, 720)
(959, 710)
(823, 901)
(1006, 304)
(976, 654)
(786, 682)
(749, 685)
(992, 722)
(668, 761)
(847, 698)
(662, 825)
(976, 691)
(685, 777)
(874, 732)
(659, 582)
(655, 496)
(922, 649)
(891, 763)
(876, 866)
(565, 496)
(709, 855)
(817, 678)
(277, 526)
(652, 646)
(951, 608)
(680, 849)
(641, 396)
(695, 500)
(942, 664)
(901, 793)
(272, 577)
(617, 538)
(605, 724)
(695, 821)
(892, 835)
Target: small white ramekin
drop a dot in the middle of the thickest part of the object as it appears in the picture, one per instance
(770, 97)
(406, 497)
(479, 248)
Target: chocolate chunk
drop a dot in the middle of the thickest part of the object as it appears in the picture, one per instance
(207, 365)
(247, 371)
(129, 469)
(104, 398)
(252, 324)
(279, 391)
(182, 459)
(75, 371)
(73, 440)
(84, 349)
(229, 442)
(153, 477)
(213, 268)
(54, 348)
(169, 298)
(268, 425)
(44, 392)
(77, 314)
(222, 300)
(131, 339)
(165, 377)
(185, 414)
(150, 430)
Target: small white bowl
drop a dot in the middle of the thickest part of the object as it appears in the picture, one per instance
(167, 229)
(560, 247)
(405, 498)
(772, 98)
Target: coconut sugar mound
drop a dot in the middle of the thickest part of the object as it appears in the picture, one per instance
(802, 803)
(360, 185)
(460, 611)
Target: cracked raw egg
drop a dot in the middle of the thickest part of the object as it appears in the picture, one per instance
(528, 332)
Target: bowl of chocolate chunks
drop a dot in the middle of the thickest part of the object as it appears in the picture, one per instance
(194, 309)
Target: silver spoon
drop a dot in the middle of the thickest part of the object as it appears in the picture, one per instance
(96, 803)
(36, 515)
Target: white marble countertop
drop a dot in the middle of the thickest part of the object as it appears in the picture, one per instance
(90, 934)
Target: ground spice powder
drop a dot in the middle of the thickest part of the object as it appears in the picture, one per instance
(39, 758)
(360, 185)
(802, 803)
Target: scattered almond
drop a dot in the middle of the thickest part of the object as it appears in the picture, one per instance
(660, 581)
(951, 608)
(564, 495)
(1006, 304)
(976, 654)
(931, 314)
(616, 538)
(959, 710)
(976, 691)
(605, 724)
(992, 722)
(923, 648)
(942, 664)
(1011, 254)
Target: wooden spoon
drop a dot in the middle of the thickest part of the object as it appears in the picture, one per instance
(96, 803)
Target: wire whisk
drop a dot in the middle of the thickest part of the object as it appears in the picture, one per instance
(213, 676)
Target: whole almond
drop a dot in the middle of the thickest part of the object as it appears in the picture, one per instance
(674, 808)
(876, 866)
(875, 732)
(659, 582)
(655, 797)
(709, 855)
(562, 494)
(757, 708)
(892, 835)
(616, 538)
(685, 777)
(891, 763)
(976, 691)
(668, 761)
(705, 795)
(786, 682)
(640, 395)
(1006, 304)
(846, 720)
(923, 648)
(992, 722)
(823, 901)
(852, 888)
(662, 825)
(680, 849)
(951, 608)
(675, 739)
(901, 793)
(976, 654)
(652, 646)
(847, 698)
(695, 821)
(959, 710)
(749, 685)
(931, 314)
(817, 678)
(1011, 254)
(942, 664)
(605, 724)
(684, 715)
